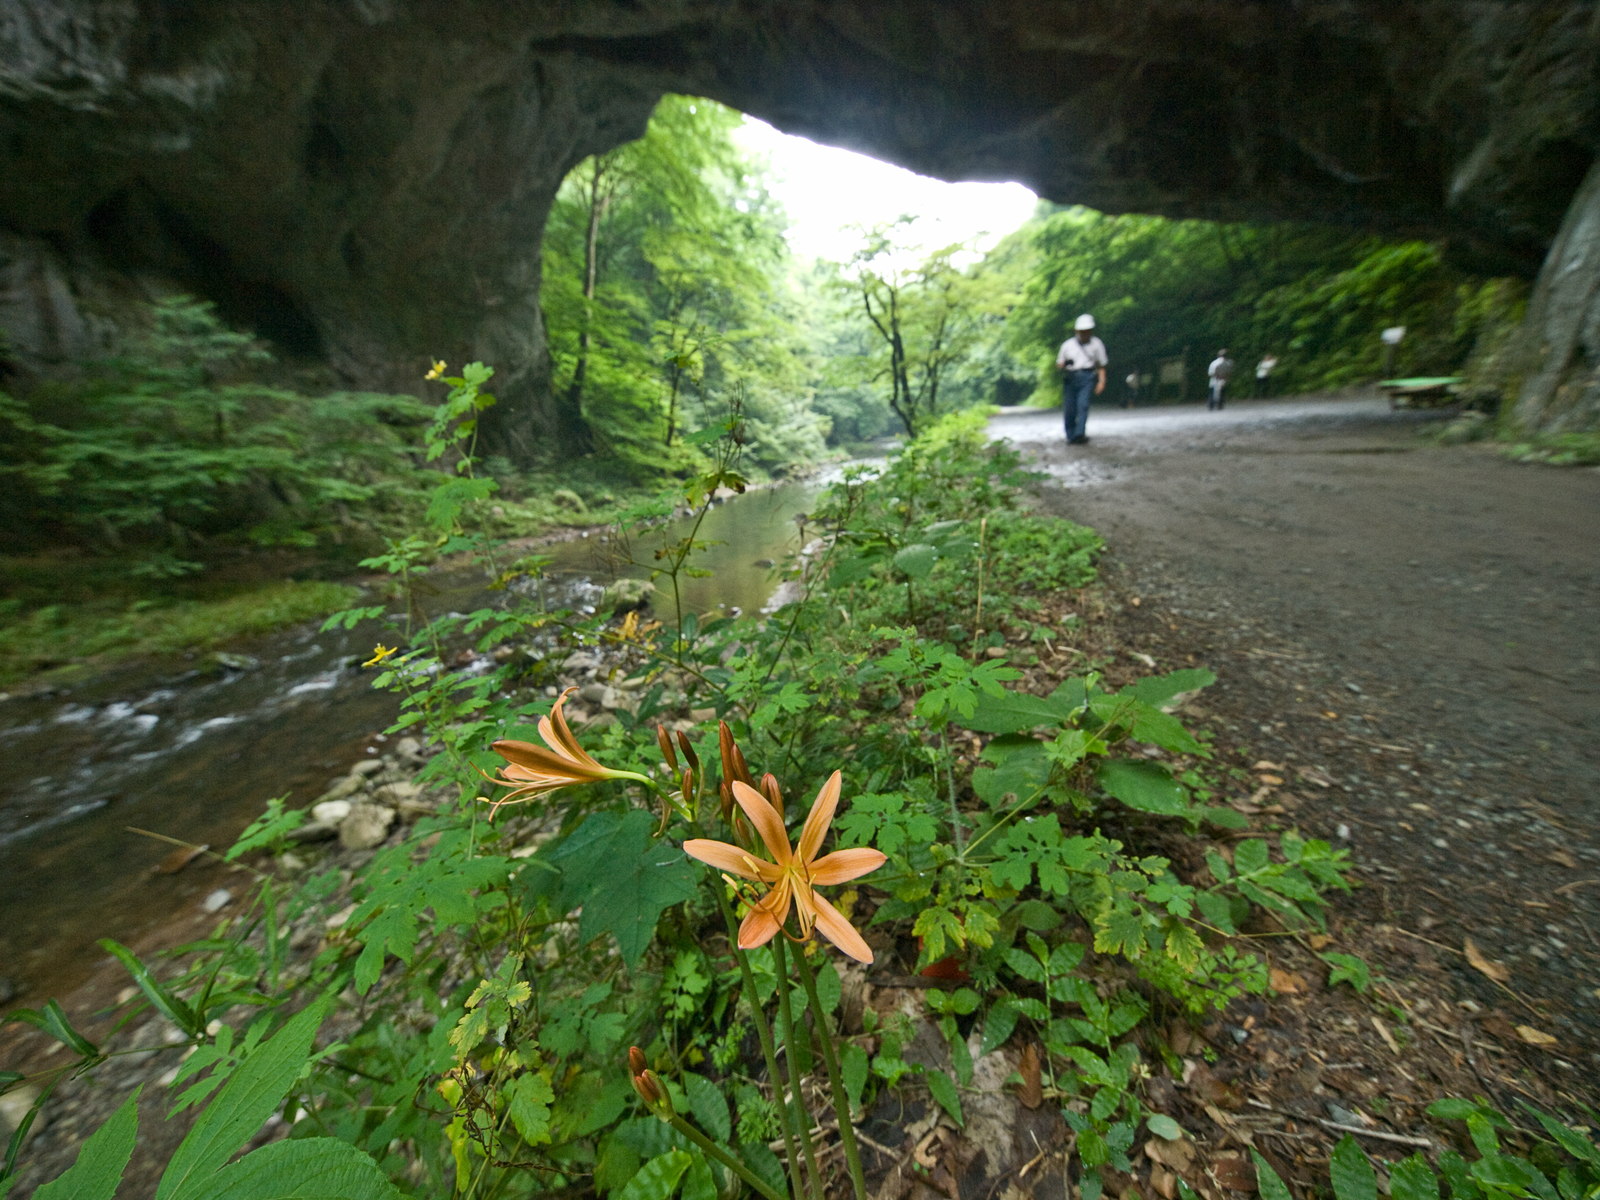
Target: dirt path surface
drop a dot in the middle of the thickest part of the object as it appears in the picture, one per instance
(1410, 630)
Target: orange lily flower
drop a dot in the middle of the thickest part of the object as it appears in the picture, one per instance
(532, 771)
(793, 872)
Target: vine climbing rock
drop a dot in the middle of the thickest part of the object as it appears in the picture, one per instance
(365, 184)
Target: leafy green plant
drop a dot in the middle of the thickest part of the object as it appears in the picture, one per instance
(178, 439)
(490, 976)
(1563, 1164)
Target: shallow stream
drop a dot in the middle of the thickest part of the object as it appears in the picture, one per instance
(194, 754)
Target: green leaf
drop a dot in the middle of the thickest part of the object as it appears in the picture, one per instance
(52, 1019)
(174, 1009)
(1018, 712)
(708, 1106)
(1268, 1185)
(1168, 1130)
(1413, 1179)
(528, 1101)
(1351, 1172)
(1017, 766)
(1158, 690)
(853, 1068)
(1144, 786)
(242, 1106)
(1574, 1143)
(658, 1178)
(451, 497)
(944, 1091)
(97, 1170)
(622, 879)
(1452, 1109)
(1506, 1174)
(698, 1181)
(917, 560)
(302, 1169)
(268, 829)
(1251, 856)
(1025, 964)
(1347, 968)
(998, 1023)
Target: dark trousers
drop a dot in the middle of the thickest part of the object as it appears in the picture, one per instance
(1076, 389)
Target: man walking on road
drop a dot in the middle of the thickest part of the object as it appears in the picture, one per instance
(1217, 375)
(1082, 363)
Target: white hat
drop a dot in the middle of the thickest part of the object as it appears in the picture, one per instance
(1084, 322)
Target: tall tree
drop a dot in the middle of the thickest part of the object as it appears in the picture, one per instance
(927, 314)
(665, 269)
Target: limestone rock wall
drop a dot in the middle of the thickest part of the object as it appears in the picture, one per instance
(366, 181)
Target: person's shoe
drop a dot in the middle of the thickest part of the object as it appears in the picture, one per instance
(1078, 441)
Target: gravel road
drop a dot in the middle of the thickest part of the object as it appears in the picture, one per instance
(1410, 627)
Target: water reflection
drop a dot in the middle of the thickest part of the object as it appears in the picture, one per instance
(748, 539)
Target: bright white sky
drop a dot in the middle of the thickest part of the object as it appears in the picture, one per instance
(825, 190)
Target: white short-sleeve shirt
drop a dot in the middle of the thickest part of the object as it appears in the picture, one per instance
(1082, 356)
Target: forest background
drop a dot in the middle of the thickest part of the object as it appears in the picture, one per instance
(193, 457)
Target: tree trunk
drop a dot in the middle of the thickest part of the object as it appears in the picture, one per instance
(572, 429)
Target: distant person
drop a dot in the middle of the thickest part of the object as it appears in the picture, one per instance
(1131, 396)
(1082, 363)
(1264, 369)
(1218, 374)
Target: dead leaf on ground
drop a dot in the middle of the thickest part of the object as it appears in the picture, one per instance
(1287, 982)
(1496, 971)
(178, 860)
(1031, 1093)
(1565, 859)
(1164, 1182)
(1535, 1037)
(1272, 780)
(1318, 941)
(1265, 765)
(1176, 1155)
(1209, 1089)
(1234, 1173)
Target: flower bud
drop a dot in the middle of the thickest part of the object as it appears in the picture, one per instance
(637, 1062)
(689, 755)
(769, 789)
(664, 740)
(648, 1084)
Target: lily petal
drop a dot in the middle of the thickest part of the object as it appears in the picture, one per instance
(525, 757)
(844, 865)
(766, 820)
(765, 919)
(732, 859)
(840, 932)
(822, 810)
(558, 735)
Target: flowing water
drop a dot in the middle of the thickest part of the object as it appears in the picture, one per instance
(195, 754)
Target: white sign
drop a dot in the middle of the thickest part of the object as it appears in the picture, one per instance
(1393, 334)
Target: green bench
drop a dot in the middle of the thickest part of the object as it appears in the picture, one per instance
(1426, 391)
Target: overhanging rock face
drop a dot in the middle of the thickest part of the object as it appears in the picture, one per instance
(367, 181)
